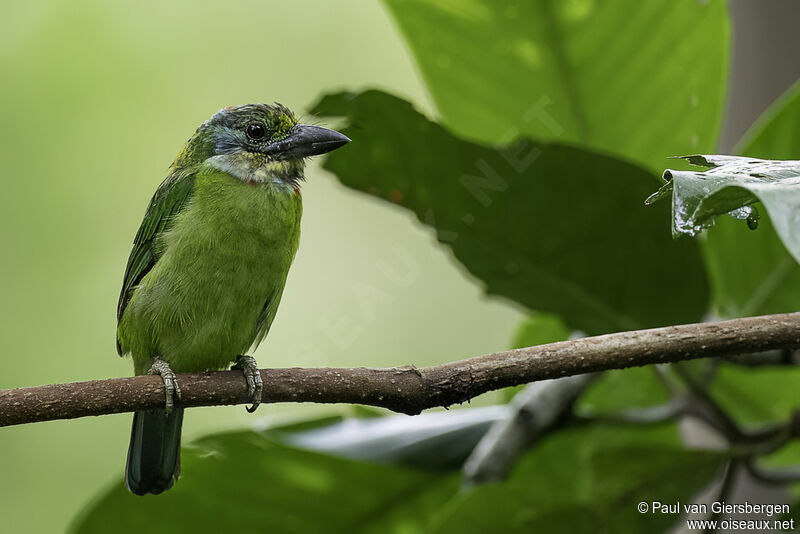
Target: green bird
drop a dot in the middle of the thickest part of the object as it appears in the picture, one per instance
(209, 264)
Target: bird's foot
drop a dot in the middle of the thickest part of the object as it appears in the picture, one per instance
(249, 367)
(173, 392)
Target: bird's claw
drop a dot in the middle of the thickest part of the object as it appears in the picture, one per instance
(249, 367)
(162, 369)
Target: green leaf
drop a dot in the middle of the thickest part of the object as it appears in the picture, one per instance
(622, 389)
(794, 509)
(788, 455)
(587, 479)
(752, 272)
(539, 329)
(241, 482)
(732, 184)
(611, 75)
(775, 133)
(552, 227)
(757, 394)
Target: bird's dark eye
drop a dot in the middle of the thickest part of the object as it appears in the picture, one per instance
(255, 131)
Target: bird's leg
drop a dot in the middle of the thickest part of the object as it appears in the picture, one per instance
(249, 367)
(161, 368)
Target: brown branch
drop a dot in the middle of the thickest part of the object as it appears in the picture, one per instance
(408, 389)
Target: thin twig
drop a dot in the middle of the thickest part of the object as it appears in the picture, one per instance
(706, 408)
(728, 476)
(408, 389)
(776, 475)
(649, 415)
(778, 357)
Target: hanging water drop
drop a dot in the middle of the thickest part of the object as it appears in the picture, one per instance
(752, 219)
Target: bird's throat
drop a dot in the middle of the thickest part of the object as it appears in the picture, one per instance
(256, 169)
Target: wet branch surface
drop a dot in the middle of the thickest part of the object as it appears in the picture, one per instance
(409, 389)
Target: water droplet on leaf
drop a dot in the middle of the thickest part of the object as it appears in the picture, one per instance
(752, 219)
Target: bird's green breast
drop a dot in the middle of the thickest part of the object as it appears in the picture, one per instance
(222, 266)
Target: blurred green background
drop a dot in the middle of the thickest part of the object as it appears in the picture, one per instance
(97, 98)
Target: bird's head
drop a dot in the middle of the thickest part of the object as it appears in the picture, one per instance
(258, 143)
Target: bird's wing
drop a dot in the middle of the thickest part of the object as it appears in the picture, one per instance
(266, 316)
(170, 197)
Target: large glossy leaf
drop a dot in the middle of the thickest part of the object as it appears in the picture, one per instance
(538, 329)
(613, 75)
(731, 184)
(242, 482)
(752, 272)
(552, 227)
(245, 482)
(588, 479)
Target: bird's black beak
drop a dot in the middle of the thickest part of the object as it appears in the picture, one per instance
(306, 140)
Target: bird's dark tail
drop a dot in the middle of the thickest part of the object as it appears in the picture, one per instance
(154, 455)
